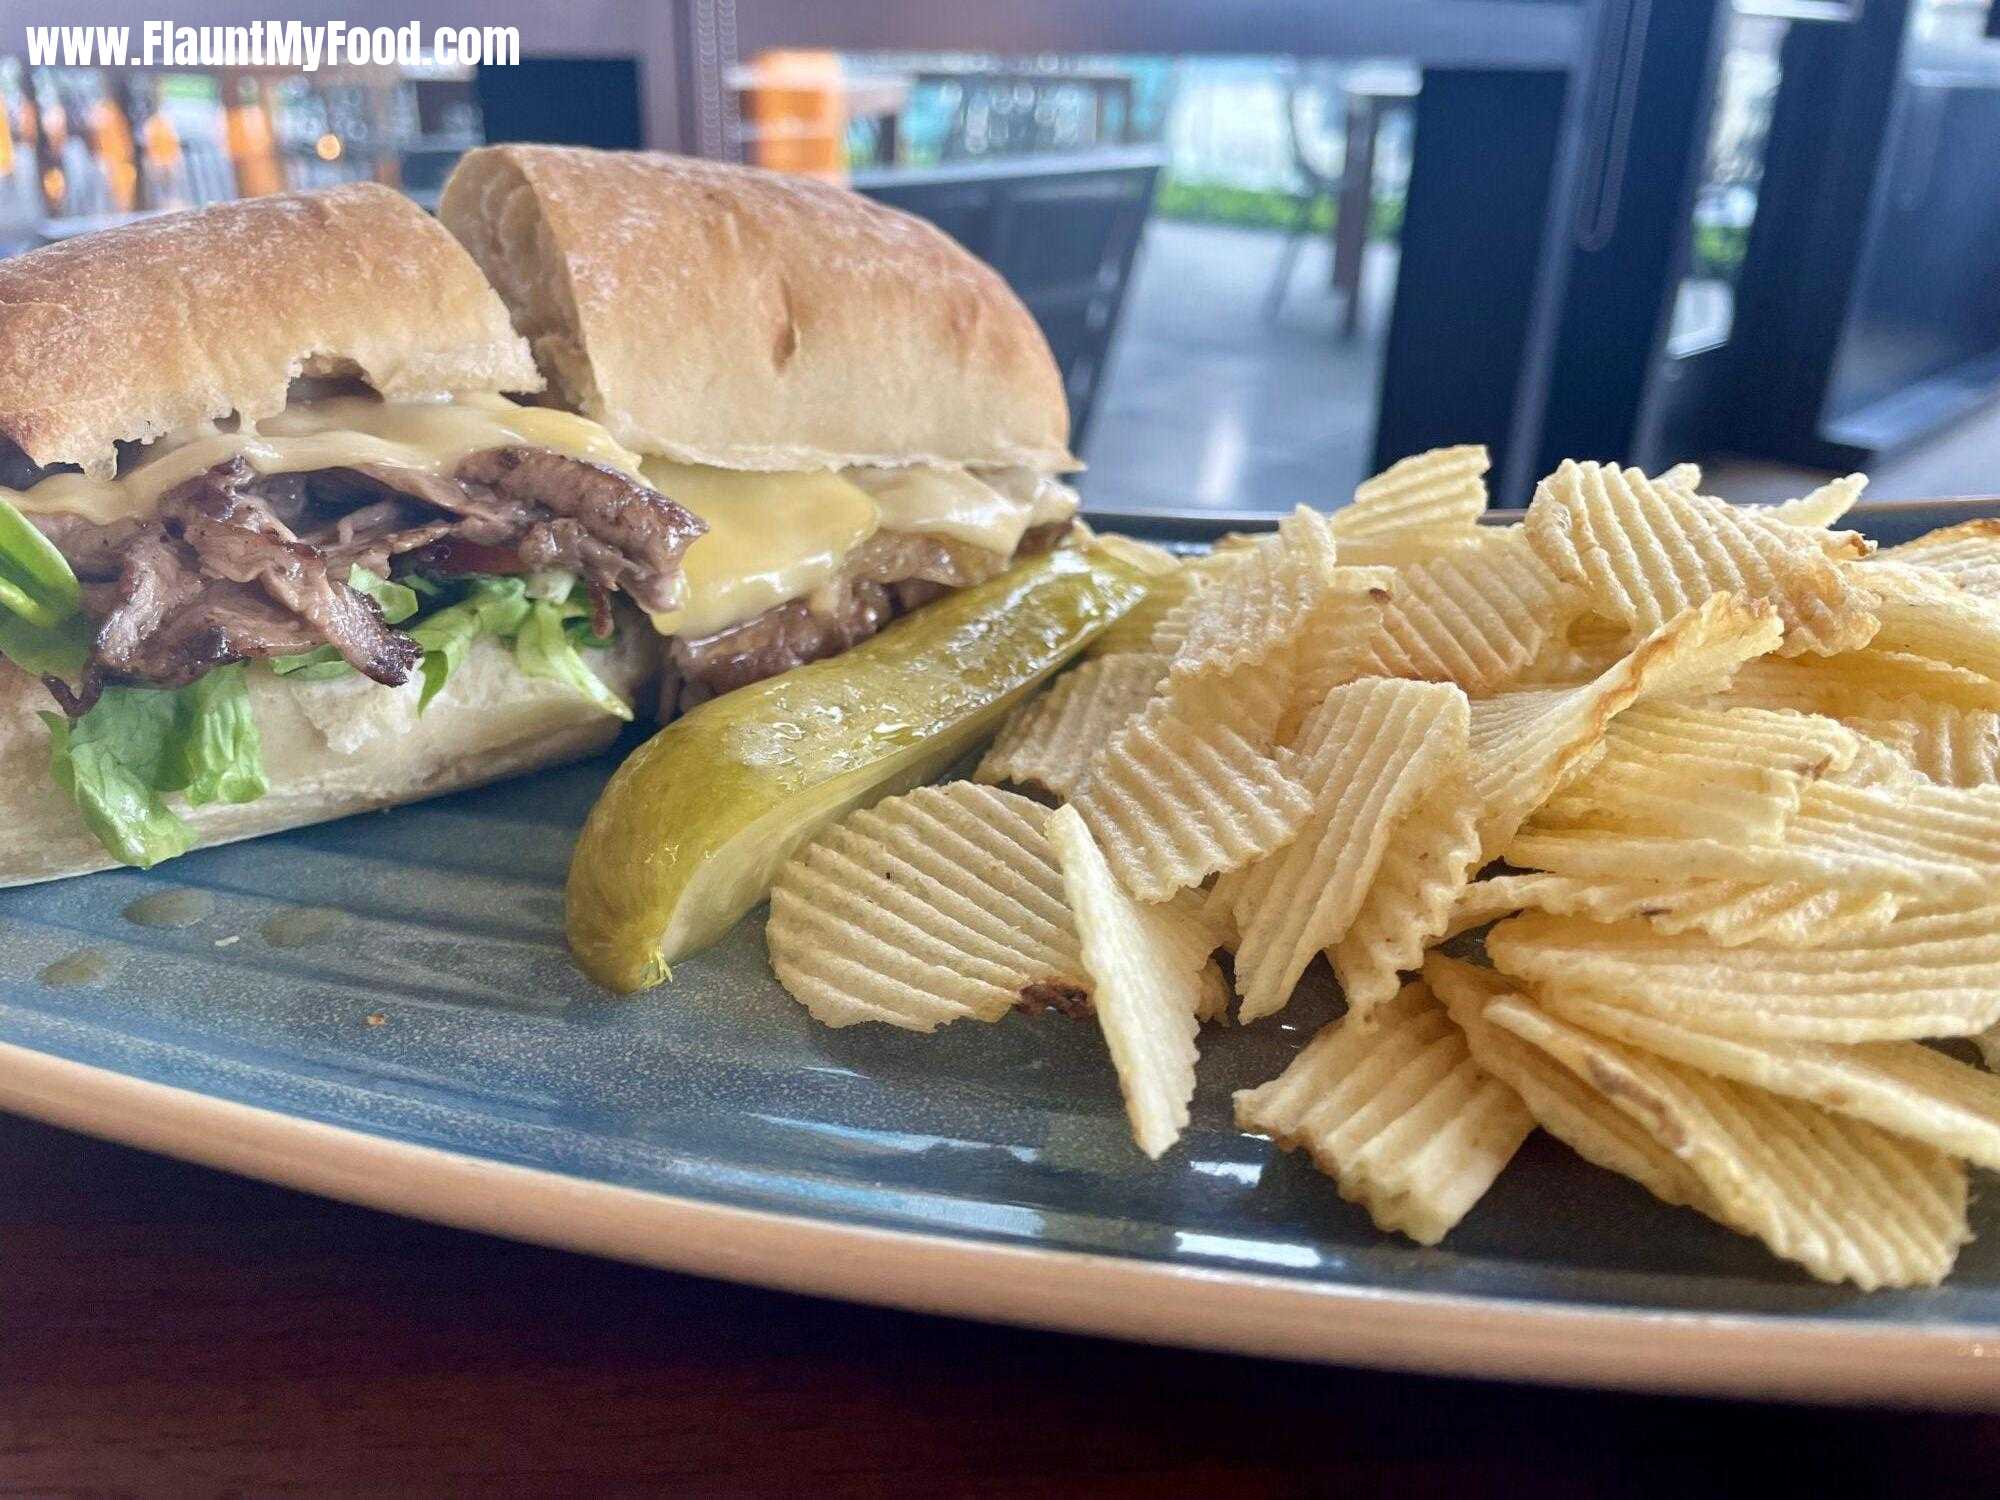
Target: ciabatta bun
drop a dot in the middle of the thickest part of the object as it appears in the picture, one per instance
(330, 749)
(718, 314)
(126, 334)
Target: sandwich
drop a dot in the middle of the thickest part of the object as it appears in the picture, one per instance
(275, 543)
(862, 414)
(302, 514)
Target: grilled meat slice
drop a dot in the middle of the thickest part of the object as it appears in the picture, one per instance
(238, 539)
(623, 535)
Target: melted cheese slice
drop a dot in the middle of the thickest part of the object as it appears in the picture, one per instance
(337, 433)
(771, 538)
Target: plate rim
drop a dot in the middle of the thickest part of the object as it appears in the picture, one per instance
(1763, 1356)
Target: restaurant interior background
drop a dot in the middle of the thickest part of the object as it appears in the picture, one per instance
(1275, 244)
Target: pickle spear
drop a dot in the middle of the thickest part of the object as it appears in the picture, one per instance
(690, 831)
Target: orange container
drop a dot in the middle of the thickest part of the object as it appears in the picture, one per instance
(796, 107)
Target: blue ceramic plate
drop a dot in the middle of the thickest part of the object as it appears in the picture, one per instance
(381, 1009)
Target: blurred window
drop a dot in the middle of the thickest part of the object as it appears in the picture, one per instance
(1733, 171)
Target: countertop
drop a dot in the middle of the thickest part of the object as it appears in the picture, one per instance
(165, 1329)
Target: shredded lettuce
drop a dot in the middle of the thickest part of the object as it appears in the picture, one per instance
(110, 762)
(546, 634)
(135, 745)
(397, 601)
(216, 754)
(491, 606)
(546, 647)
(36, 583)
(41, 630)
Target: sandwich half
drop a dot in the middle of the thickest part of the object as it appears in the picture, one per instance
(862, 414)
(275, 545)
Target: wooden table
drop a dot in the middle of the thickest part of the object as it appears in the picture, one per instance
(165, 1329)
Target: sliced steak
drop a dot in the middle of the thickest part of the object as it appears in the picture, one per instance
(160, 577)
(237, 538)
(787, 636)
(225, 622)
(626, 535)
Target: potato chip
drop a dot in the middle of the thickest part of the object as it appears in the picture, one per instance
(1927, 974)
(1049, 740)
(1668, 796)
(1646, 552)
(1877, 765)
(1365, 755)
(1950, 746)
(1820, 508)
(1682, 476)
(1397, 1113)
(1439, 488)
(1428, 862)
(924, 909)
(1338, 648)
(1258, 703)
(1855, 682)
(1843, 1199)
(1477, 616)
(1262, 601)
(1143, 557)
(1967, 554)
(1988, 1043)
(1524, 744)
(1714, 773)
(1171, 624)
(1420, 544)
(1563, 662)
(1218, 908)
(1179, 794)
(1931, 843)
(1905, 1087)
(1561, 1103)
(1926, 614)
(1730, 912)
(1146, 985)
(1805, 746)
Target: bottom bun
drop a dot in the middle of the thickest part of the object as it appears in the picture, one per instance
(330, 749)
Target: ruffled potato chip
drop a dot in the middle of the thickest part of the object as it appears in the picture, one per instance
(1821, 507)
(1439, 489)
(1146, 970)
(1525, 744)
(1365, 756)
(1967, 554)
(1646, 552)
(1926, 614)
(1951, 746)
(1397, 1113)
(1905, 1087)
(1180, 794)
(1840, 1197)
(1561, 1103)
(932, 907)
(1929, 843)
(1929, 974)
(1730, 912)
(1428, 863)
(1476, 616)
(1049, 740)
(1855, 682)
